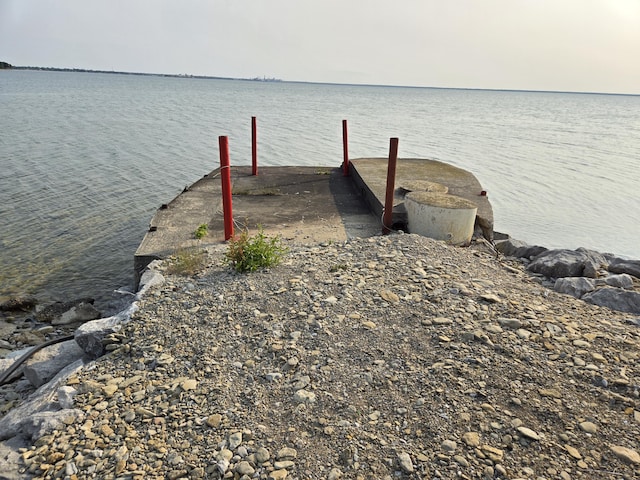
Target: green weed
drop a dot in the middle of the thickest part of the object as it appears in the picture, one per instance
(201, 231)
(187, 261)
(249, 253)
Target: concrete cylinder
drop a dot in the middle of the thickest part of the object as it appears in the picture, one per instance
(441, 216)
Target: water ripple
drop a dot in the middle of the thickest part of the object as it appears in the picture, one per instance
(87, 158)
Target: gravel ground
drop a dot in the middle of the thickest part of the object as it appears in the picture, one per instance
(380, 358)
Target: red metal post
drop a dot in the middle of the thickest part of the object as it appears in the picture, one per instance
(254, 146)
(345, 150)
(387, 217)
(225, 175)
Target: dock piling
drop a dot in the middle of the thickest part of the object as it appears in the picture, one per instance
(345, 150)
(225, 175)
(387, 216)
(254, 146)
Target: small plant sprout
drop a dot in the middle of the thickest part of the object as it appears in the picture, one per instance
(201, 231)
(249, 253)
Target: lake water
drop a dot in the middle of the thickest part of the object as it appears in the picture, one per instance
(86, 159)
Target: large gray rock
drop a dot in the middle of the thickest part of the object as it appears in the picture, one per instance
(574, 286)
(568, 263)
(6, 329)
(622, 280)
(620, 265)
(11, 458)
(150, 278)
(41, 423)
(90, 335)
(82, 312)
(615, 299)
(55, 312)
(19, 421)
(519, 249)
(46, 363)
(17, 304)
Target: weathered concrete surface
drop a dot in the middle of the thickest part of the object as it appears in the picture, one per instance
(302, 204)
(370, 177)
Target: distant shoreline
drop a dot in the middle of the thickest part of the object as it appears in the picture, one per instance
(279, 80)
(172, 75)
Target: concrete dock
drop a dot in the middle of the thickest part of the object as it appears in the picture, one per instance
(302, 204)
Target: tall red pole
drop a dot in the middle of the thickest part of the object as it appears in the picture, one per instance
(387, 217)
(254, 146)
(225, 176)
(345, 150)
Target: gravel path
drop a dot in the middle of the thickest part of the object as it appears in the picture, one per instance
(379, 358)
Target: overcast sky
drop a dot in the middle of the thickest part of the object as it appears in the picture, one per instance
(567, 45)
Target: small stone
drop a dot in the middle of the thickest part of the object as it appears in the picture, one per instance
(404, 460)
(460, 460)
(527, 432)
(449, 446)
(494, 328)
(490, 297)
(109, 390)
(550, 392)
(369, 325)
(494, 454)
(442, 321)
(573, 452)
(287, 453)
(512, 323)
(244, 468)
(189, 384)
(278, 475)
(235, 439)
(304, 396)
(262, 455)
(626, 454)
(472, 439)
(389, 296)
(214, 420)
(334, 474)
(588, 427)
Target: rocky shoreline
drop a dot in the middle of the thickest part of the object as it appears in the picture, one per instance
(385, 357)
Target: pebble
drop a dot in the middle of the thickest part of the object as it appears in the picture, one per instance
(528, 433)
(235, 439)
(588, 427)
(573, 452)
(404, 460)
(626, 454)
(472, 439)
(448, 446)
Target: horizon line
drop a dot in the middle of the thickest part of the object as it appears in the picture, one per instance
(278, 80)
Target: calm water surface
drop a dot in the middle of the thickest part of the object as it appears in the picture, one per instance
(85, 160)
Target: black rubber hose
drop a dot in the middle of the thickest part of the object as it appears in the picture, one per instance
(5, 376)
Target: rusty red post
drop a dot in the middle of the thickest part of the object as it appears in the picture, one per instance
(387, 217)
(345, 150)
(254, 146)
(225, 176)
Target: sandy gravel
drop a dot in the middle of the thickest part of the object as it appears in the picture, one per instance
(379, 358)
